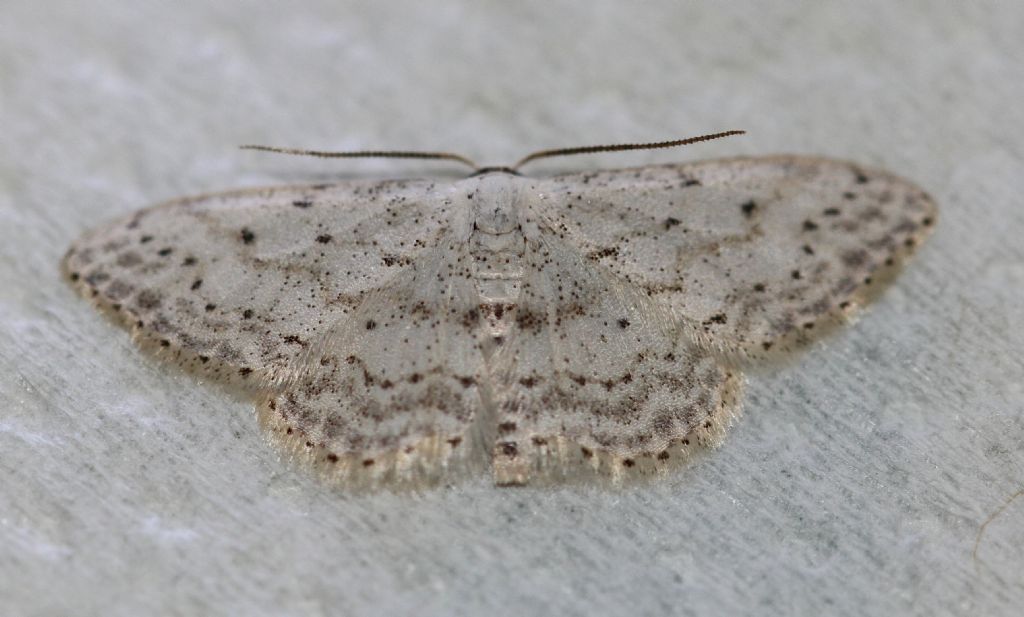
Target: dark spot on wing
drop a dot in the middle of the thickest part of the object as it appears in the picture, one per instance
(720, 318)
(610, 251)
(855, 258)
(148, 300)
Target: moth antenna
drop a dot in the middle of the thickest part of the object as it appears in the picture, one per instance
(365, 154)
(543, 154)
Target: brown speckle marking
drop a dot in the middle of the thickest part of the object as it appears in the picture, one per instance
(148, 300)
(719, 318)
(247, 236)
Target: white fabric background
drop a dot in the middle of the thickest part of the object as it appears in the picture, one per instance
(855, 484)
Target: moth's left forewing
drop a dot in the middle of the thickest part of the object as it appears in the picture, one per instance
(752, 253)
(237, 285)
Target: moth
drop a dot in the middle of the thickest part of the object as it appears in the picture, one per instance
(592, 323)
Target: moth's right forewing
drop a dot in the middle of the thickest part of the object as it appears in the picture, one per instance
(751, 253)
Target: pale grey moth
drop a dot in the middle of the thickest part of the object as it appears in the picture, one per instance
(590, 323)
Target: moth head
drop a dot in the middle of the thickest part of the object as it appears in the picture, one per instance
(494, 199)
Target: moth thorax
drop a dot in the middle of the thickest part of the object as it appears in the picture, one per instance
(497, 265)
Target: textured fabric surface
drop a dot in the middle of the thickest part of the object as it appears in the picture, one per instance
(857, 481)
